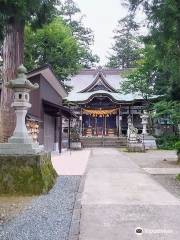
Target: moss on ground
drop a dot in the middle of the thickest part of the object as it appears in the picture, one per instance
(26, 174)
(178, 177)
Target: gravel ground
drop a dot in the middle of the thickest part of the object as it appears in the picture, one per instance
(169, 182)
(48, 217)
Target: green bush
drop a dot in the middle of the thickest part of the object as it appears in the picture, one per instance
(177, 146)
(167, 141)
(75, 137)
(178, 177)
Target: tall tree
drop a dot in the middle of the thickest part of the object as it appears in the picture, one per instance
(53, 44)
(13, 16)
(84, 35)
(126, 44)
(164, 24)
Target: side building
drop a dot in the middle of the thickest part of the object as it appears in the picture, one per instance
(47, 111)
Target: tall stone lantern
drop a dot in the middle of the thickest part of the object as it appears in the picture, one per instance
(20, 142)
(144, 118)
(24, 167)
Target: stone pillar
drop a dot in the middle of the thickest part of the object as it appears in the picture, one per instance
(120, 127)
(129, 122)
(80, 122)
(144, 118)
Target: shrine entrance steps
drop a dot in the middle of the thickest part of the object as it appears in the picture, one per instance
(104, 141)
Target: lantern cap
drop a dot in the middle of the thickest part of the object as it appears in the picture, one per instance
(21, 81)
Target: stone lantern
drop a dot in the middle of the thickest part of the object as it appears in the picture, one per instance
(144, 118)
(24, 167)
(20, 141)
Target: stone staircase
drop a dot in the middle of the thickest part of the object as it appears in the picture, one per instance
(116, 142)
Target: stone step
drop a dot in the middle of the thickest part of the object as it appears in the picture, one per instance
(104, 142)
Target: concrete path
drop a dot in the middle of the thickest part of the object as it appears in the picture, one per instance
(119, 197)
(70, 163)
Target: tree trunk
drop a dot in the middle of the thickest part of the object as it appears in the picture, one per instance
(13, 51)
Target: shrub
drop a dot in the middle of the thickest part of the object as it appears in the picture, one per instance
(167, 141)
(178, 177)
(75, 137)
(177, 146)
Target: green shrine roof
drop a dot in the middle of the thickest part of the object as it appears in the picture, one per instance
(90, 83)
(81, 97)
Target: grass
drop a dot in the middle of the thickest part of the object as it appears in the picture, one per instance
(178, 177)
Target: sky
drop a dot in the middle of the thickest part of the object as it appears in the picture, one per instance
(102, 17)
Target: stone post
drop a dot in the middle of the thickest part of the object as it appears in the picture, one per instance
(120, 128)
(129, 121)
(144, 118)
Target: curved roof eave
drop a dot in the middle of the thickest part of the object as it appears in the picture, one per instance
(85, 98)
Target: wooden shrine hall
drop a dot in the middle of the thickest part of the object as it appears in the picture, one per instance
(101, 108)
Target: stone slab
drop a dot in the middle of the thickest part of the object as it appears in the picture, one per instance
(19, 148)
(157, 171)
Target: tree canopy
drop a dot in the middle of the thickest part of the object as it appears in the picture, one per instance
(53, 44)
(164, 24)
(36, 12)
(126, 44)
(71, 14)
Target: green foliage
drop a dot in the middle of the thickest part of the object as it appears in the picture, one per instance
(178, 177)
(142, 78)
(168, 109)
(84, 35)
(164, 23)
(177, 147)
(75, 137)
(36, 12)
(126, 45)
(53, 44)
(167, 141)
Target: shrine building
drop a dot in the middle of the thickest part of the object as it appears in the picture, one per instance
(101, 108)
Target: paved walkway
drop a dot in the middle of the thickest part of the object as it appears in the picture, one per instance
(71, 163)
(119, 196)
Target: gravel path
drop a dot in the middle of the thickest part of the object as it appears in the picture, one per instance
(169, 182)
(48, 217)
